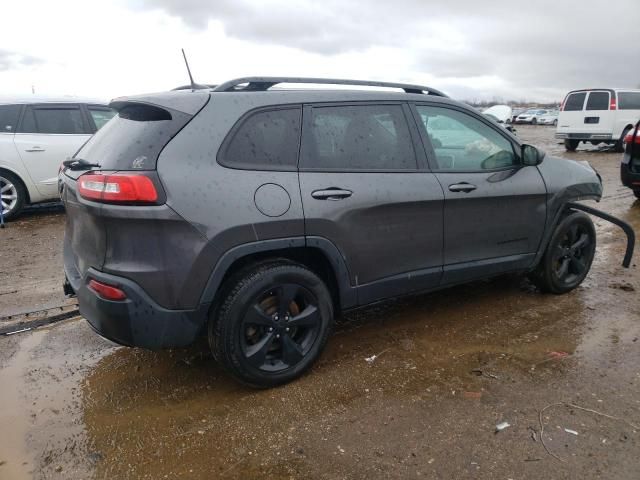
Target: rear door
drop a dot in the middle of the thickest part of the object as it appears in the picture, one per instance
(365, 188)
(48, 135)
(598, 118)
(571, 117)
(495, 208)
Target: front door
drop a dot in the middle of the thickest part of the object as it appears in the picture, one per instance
(495, 208)
(366, 190)
(48, 135)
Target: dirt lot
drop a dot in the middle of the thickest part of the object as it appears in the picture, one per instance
(451, 365)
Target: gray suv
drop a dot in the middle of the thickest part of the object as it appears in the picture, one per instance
(253, 214)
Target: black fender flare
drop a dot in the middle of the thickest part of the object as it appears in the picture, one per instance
(626, 228)
(348, 295)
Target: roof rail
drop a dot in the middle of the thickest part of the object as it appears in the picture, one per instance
(260, 84)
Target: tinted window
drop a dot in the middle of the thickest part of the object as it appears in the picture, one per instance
(574, 102)
(462, 142)
(267, 140)
(9, 118)
(598, 101)
(64, 120)
(101, 115)
(629, 100)
(368, 137)
(134, 138)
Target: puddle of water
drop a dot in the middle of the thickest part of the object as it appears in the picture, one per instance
(14, 415)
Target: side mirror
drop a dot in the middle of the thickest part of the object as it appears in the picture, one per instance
(530, 155)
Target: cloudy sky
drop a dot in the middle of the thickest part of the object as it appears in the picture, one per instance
(471, 49)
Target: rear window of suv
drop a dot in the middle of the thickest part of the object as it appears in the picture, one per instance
(134, 138)
(574, 102)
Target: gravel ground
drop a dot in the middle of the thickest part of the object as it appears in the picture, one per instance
(450, 366)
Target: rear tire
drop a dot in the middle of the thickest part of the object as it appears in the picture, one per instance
(568, 257)
(619, 146)
(13, 195)
(273, 323)
(555, 123)
(571, 145)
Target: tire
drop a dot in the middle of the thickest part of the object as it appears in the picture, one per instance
(273, 323)
(13, 195)
(568, 257)
(636, 193)
(619, 145)
(534, 121)
(571, 145)
(555, 123)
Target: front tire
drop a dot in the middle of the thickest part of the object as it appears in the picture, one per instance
(13, 195)
(571, 145)
(534, 121)
(568, 257)
(273, 323)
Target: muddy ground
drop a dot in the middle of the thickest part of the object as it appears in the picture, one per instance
(450, 366)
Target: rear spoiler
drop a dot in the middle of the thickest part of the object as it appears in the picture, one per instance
(189, 102)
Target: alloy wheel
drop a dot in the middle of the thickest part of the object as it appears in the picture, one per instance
(280, 327)
(8, 195)
(572, 254)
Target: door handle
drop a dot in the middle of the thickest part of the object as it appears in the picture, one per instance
(462, 187)
(34, 149)
(331, 194)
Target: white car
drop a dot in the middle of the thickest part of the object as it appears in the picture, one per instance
(531, 116)
(602, 115)
(549, 118)
(36, 136)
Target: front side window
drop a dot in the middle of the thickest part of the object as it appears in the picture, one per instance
(9, 118)
(365, 137)
(60, 120)
(598, 101)
(575, 102)
(462, 142)
(266, 140)
(101, 115)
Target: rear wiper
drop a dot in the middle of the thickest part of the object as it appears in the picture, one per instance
(79, 164)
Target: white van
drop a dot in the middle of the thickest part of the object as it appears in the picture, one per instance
(36, 135)
(602, 115)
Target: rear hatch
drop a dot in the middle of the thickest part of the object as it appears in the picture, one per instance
(587, 112)
(126, 148)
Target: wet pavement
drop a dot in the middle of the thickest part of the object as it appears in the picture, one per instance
(449, 367)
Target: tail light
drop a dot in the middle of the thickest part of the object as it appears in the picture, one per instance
(612, 103)
(108, 292)
(117, 188)
(630, 138)
(563, 103)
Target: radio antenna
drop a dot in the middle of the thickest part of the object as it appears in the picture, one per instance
(194, 85)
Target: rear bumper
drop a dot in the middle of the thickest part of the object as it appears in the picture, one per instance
(584, 136)
(137, 321)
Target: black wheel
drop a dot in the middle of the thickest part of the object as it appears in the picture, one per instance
(555, 123)
(12, 195)
(620, 144)
(569, 255)
(571, 145)
(534, 121)
(273, 323)
(636, 193)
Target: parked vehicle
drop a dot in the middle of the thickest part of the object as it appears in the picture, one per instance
(502, 115)
(36, 135)
(630, 166)
(531, 116)
(254, 215)
(549, 118)
(516, 112)
(597, 116)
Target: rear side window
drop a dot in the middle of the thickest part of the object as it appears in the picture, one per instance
(57, 120)
(100, 115)
(629, 100)
(266, 140)
(598, 101)
(367, 137)
(134, 138)
(9, 118)
(575, 102)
